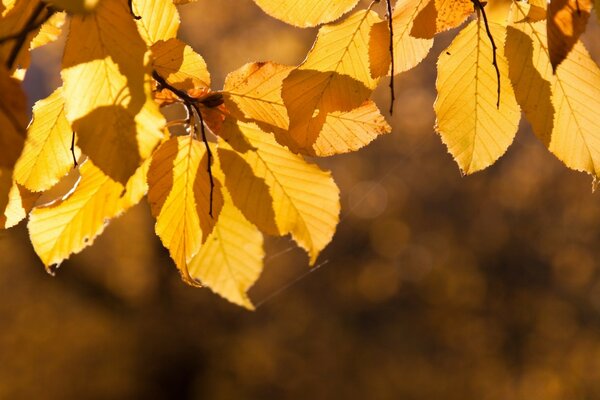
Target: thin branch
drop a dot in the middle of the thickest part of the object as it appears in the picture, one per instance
(391, 26)
(209, 156)
(578, 8)
(21, 37)
(478, 5)
(73, 150)
(189, 103)
(135, 16)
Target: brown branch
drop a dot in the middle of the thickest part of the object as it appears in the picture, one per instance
(135, 16)
(191, 105)
(478, 5)
(73, 150)
(21, 37)
(391, 27)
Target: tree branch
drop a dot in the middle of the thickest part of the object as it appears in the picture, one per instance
(130, 4)
(391, 27)
(479, 6)
(73, 150)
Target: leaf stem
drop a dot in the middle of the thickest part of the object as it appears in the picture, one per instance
(479, 6)
(391, 27)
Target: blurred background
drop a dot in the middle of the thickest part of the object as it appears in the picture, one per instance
(436, 286)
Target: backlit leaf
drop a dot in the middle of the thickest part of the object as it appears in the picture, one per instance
(117, 123)
(408, 50)
(277, 190)
(334, 77)
(566, 22)
(179, 191)
(180, 65)
(440, 15)
(474, 129)
(76, 6)
(50, 31)
(69, 225)
(230, 260)
(47, 156)
(159, 19)
(308, 12)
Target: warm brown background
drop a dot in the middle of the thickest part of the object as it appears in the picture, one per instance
(436, 286)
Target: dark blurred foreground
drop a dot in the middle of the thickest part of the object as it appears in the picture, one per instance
(435, 287)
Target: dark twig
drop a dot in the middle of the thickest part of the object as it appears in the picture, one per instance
(21, 37)
(209, 156)
(480, 7)
(391, 26)
(190, 103)
(73, 150)
(135, 16)
(578, 8)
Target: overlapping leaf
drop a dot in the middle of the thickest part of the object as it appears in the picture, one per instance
(158, 20)
(566, 22)
(230, 261)
(440, 15)
(308, 12)
(279, 191)
(117, 123)
(180, 65)
(476, 130)
(179, 196)
(76, 6)
(13, 119)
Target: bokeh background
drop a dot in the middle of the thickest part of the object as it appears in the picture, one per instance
(436, 286)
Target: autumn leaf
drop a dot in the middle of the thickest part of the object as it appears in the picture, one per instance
(566, 22)
(306, 13)
(76, 6)
(117, 123)
(335, 77)
(277, 190)
(159, 20)
(49, 31)
(408, 50)
(180, 65)
(47, 156)
(475, 129)
(69, 225)
(573, 134)
(230, 261)
(179, 197)
(439, 16)
(15, 200)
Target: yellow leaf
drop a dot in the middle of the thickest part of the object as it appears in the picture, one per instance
(180, 65)
(50, 31)
(12, 23)
(13, 119)
(475, 130)
(254, 92)
(69, 225)
(159, 19)
(334, 77)
(47, 156)
(408, 50)
(179, 197)
(231, 259)
(440, 15)
(117, 123)
(279, 191)
(136, 187)
(308, 12)
(6, 6)
(574, 133)
(76, 6)
(566, 22)
(15, 200)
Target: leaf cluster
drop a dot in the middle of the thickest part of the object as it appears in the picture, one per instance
(233, 167)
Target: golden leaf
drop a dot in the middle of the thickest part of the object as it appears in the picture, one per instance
(180, 65)
(475, 130)
(179, 196)
(334, 77)
(308, 12)
(47, 156)
(277, 190)
(566, 22)
(408, 50)
(15, 200)
(159, 20)
(230, 260)
(117, 123)
(76, 6)
(440, 15)
(69, 225)
(50, 31)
